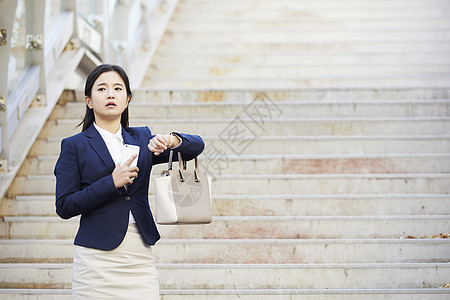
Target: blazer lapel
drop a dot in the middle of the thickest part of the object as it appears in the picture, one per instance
(128, 138)
(99, 146)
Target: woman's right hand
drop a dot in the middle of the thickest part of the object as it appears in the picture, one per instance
(124, 174)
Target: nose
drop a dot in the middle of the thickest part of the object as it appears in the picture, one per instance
(109, 94)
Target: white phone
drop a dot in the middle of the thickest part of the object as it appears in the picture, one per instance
(128, 151)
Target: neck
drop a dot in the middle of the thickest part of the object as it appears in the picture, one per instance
(109, 125)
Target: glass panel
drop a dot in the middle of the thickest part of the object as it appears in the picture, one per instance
(123, 24)
(134, 20)
(91, 12)
(52, 10)
(16, 63)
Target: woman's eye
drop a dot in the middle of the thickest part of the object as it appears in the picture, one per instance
(101, 89)
(118, 89)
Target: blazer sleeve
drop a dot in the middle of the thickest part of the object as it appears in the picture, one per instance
(72, 198)
(190, 148)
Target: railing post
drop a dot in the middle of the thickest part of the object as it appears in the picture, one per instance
(7, 14)
(35, 41)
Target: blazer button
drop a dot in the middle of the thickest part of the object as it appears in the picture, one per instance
(127, 198)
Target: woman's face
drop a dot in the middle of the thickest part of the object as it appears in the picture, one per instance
(108, 97)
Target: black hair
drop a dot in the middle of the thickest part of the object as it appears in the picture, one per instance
(89, 116)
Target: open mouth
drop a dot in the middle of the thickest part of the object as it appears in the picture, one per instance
(111, 104)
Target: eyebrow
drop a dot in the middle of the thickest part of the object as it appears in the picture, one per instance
(104, 83)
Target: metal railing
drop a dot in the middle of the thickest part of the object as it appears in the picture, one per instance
(43, 41)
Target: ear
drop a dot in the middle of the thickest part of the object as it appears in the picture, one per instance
(128, 100)
(88, 101)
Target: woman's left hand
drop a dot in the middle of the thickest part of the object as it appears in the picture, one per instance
(158, 144)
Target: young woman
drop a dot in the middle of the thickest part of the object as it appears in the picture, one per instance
(113, 257)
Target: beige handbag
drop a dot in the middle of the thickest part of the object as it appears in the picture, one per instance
(183, 196)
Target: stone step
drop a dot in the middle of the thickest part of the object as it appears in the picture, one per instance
(410, 183)
(35, 205)
(337, 58)
(296, 71)
(276, 126)
(35, 293)
(295, 94)
(304, 109)
(254, 276)
(306, 36)
(302, 25)
(254, 294)
(251, 227)
(250, 251)
(305, 14)
(402, 183)
(332, 183)
(400, 46)
(325, 164)
(277, 81)
(289, 164)
(330, 205)
(218, 146)
(323, 4)
(319, 5)
(277, 205)
(339, 227)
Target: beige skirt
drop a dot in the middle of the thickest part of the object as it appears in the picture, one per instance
(127, 272)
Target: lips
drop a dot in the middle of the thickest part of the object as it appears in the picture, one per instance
(111, 104)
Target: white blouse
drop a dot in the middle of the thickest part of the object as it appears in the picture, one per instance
(114, 143)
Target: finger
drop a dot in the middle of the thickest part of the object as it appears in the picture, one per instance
(155, 149)
(163, 139)
(131, 176)
(160, 142)
(152, 148)
(133, 169)
(153, 143)
(159, 145)
(130, 160)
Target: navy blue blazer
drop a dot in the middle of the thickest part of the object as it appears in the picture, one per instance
(84, 185)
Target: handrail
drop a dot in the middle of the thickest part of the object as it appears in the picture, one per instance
(52, 55)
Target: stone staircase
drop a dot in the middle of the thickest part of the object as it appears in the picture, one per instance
(327, 135)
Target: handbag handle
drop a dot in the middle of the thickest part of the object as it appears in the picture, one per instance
(182, 166)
